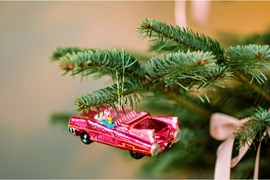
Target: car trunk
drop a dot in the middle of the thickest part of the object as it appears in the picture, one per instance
(161, 130)
(150, 123)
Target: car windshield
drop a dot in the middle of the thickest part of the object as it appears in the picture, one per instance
(150, 124)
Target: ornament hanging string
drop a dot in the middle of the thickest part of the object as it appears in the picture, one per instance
(222, 127)
(120, 81)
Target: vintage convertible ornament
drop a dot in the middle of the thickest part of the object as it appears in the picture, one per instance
(127, 129)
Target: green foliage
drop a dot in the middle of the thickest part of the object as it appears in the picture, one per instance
(169, 38)
(250, 59)
(255, 128)
(236, 98)
(177, 152)
(191, 77)
(109, 95)
(60, 52)
(245, 168)
(184, 69)
(99, 62)
(60, 118)
(263, 38)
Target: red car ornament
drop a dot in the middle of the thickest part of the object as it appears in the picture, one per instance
(127, 129)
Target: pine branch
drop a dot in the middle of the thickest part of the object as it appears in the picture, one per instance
(259, 123)
(109, 95)
(184, 102)
(185, 38)
(60, 118)
(184, 69)
(193, 64)
(60, 52)
(254, 87)
(100, 62)
(235, 97)
(166, 46)
(249, 59)
(105, 62)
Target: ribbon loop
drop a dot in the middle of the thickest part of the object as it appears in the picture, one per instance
(222, 127)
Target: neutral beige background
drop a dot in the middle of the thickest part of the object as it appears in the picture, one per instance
(32, 87)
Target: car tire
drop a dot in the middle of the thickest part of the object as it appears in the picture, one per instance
(70, 129)
(85, 138)
(136, 155)
(73, 131)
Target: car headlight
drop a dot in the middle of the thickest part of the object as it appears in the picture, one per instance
(177, 135)
(154, 149)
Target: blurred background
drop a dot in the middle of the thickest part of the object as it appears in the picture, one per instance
(32, 88)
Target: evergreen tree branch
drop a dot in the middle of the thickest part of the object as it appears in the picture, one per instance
(250, 59)
(101, 62)
(61, 51)
(109, 95)
(254, 87)
(256, 127)
(184, 102)
(166, 46)
(186, 38)
(192, 62)
(184, 69)
(96, 61)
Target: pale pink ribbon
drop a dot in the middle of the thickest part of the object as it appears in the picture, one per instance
(223, 127)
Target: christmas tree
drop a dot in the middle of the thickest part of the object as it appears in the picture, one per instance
(190, 76)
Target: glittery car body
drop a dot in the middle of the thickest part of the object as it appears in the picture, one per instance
(137, 132)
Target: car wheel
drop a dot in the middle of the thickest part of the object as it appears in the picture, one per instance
(73, 131)
(136, 155)
(85, 138)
